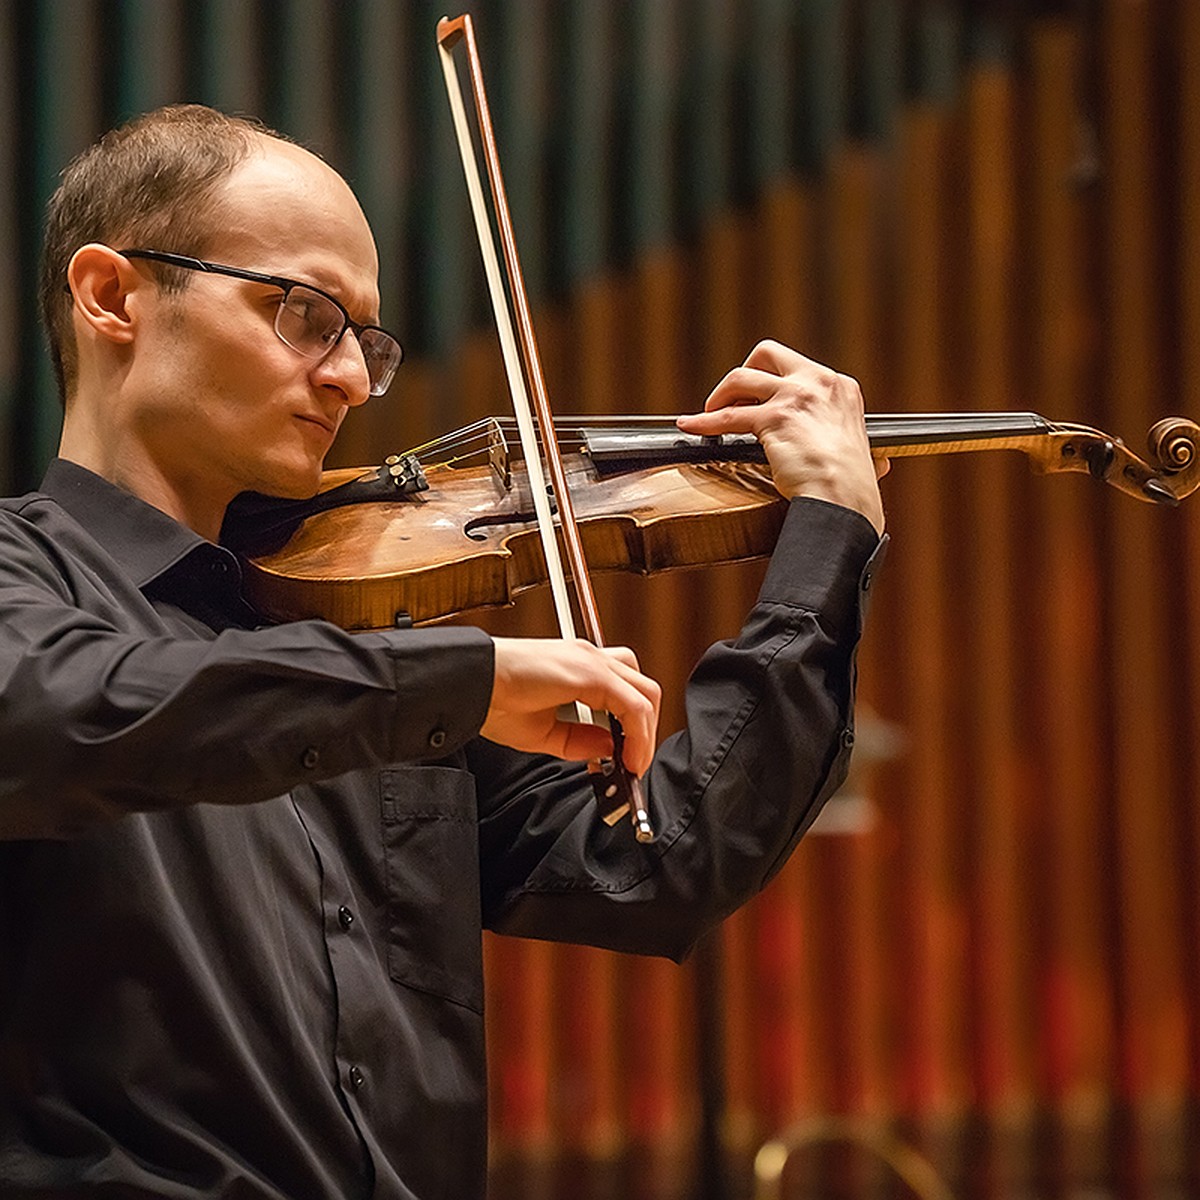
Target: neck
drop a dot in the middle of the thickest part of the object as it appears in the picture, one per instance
(131, 468)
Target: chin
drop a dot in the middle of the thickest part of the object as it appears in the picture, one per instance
(291, 481)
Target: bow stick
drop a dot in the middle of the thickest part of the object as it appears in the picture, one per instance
(617, 792)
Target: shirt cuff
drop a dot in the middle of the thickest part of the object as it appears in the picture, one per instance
(825, 560)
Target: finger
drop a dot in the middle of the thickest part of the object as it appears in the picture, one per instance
(738, 417)
(624, 655)
(743, 385)
(631, 674)
(606, 682)
(544, 733)
(584, 740)
(581, 741)
(882, 467)
(638, 714)
(775, 357)
(764, 367)
(534, 677)
(609, 679)
(638, 751)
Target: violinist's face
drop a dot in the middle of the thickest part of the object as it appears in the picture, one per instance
(222, 404)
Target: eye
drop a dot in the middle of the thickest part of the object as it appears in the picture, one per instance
(312, 316)
(300, 304)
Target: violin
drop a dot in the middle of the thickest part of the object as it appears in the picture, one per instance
(472, 519)
(450, 526)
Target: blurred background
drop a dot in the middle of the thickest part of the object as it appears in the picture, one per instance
(978, 976)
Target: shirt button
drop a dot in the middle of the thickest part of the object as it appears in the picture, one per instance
(866, 581)
(345, 917)
(357, 1078)
(437, 739)
(310, 758)
(847, 738)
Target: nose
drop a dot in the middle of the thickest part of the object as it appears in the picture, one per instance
(345, 369)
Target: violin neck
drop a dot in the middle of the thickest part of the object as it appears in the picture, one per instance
(621, 444)
(897, 435)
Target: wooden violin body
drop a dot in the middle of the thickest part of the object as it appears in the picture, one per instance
(470, 543)
(459, 533)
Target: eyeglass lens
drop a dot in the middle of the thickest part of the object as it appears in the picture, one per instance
(310, 323)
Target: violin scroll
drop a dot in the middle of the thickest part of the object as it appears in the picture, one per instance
(1172, 443)
(1172, 472)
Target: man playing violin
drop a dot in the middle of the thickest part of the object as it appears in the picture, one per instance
(244, 868)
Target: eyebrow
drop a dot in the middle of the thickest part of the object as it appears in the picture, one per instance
(372, 320)
(327, 284)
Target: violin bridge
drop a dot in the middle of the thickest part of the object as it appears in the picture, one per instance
(497, 452)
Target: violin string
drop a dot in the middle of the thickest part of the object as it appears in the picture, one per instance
(476, 438)
(448, 443)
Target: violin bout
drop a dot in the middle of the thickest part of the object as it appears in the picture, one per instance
(469, 542)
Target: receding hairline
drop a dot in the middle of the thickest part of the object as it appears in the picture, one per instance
(296, 170)
(89, 204)
(264, 147)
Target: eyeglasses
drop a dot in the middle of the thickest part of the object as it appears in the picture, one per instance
(309, 320)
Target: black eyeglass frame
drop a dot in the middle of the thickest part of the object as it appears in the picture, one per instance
(188, 263)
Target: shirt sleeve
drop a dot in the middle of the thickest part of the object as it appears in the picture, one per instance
(97, 721)
(767, 741)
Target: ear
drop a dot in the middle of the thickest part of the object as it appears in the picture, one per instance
(102, 282)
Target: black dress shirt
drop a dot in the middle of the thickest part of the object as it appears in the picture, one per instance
(244, 870)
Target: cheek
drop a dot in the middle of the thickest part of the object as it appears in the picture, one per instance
(249, 383)
(229, 376)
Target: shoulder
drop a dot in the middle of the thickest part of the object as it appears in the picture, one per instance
(36, 536)
(30, 500)
(32, 517)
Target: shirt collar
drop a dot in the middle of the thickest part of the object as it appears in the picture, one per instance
(143, 539)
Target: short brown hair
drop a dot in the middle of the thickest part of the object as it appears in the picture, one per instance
(150, 182)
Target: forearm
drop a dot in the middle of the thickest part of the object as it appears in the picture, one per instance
(95, 722)
(767, 741)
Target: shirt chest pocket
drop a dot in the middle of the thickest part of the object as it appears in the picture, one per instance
(431, 863)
